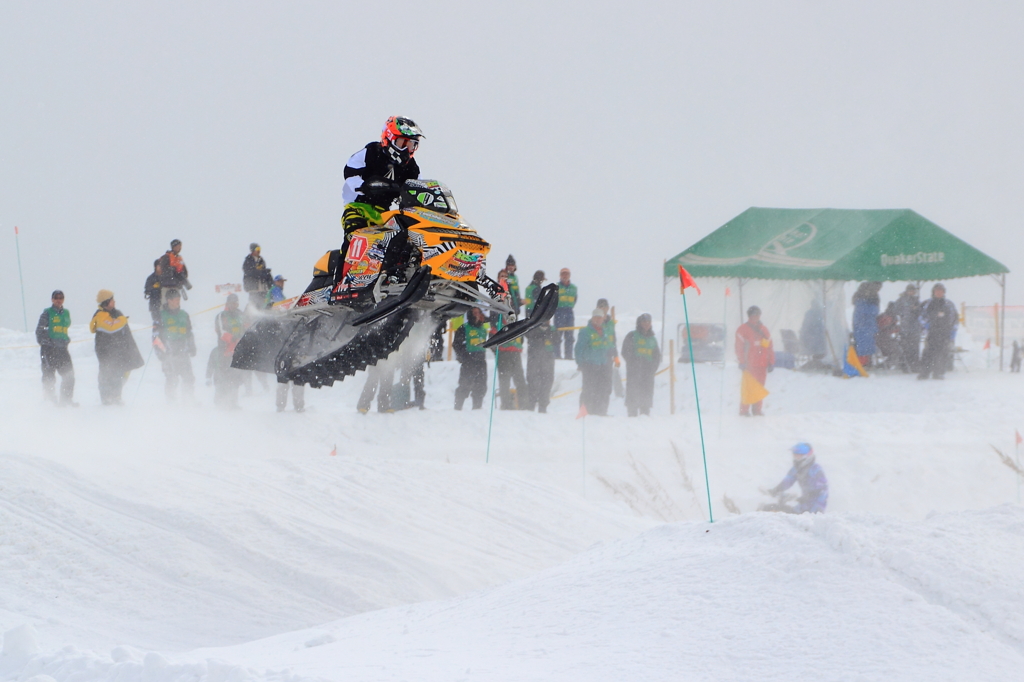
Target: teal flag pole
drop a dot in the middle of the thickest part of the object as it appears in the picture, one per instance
(494, 390)
(696, 395)
(21, 280)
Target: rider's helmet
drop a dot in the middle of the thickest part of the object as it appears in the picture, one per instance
(400, 138)
(803, 455)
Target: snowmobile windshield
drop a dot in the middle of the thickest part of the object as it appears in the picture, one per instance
(430, 195)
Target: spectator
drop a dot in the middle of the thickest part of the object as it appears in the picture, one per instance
(513, 284)
(565, 320)
(540, 366)
(276, 293)
(115, 348)
(866, 307)
(640, 350)
(532, 291)
(509, 357)
(469, 350)
(298, 397)
(175, 346)
(256, 279)
(229, 326)
(813, 484)
(174, 272)
(609, 324)
(756, 358)
(813, 337)
(908, 313)
(152, 291)
(595, 349)
(53, 339)
(940, 320)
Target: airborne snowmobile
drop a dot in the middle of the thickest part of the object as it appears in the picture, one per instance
(421, 266)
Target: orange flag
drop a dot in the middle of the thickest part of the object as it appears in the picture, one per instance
(686, 281)
(751, 390)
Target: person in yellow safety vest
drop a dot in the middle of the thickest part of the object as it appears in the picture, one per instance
(115, 348)
(469, 350)
(565, 319)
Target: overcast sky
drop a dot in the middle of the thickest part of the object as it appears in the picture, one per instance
(600, 136)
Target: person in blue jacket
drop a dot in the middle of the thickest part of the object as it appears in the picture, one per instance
(811, 477)
(866, 306)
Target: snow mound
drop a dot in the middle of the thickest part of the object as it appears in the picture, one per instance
(762, 596)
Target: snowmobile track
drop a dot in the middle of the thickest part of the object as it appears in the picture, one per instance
(373, 344)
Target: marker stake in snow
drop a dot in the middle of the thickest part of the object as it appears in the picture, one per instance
(21, 280)
(685, 280)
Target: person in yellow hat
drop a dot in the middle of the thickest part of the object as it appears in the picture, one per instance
(115, 348)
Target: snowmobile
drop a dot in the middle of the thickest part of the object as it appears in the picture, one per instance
(421, 266)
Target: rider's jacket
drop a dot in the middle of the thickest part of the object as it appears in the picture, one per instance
(373, 163)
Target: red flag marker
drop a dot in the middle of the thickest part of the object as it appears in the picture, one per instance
(335, 450)
(988, 344)
(1019, 439)
(583, 412)
(686, 281)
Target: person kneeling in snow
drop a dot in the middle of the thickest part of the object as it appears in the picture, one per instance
(813, 484)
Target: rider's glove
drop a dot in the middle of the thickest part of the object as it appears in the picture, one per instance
(379, 188)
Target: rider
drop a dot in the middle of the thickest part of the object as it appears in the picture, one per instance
(374, 175)
(810, 476)
(373, 178)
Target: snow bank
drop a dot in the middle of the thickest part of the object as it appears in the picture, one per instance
(767, 597)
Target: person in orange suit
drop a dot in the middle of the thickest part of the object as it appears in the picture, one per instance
(756, 357)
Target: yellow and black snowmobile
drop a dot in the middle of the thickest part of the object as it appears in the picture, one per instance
(421, 266)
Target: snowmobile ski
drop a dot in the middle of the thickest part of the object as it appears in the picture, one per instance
(543, 310)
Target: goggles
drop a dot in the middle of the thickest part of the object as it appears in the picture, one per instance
(409, 143)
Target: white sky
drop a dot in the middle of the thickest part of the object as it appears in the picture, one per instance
(600, 136)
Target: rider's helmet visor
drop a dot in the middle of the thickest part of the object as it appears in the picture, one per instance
(407, 143)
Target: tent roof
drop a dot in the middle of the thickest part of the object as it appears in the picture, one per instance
(838, 244)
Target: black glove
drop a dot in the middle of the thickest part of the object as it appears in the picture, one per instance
(380, 188)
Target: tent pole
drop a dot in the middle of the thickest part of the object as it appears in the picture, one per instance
(1002, 320)
(739, 285)
(664, 322)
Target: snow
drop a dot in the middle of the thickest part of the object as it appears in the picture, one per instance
(156, 542)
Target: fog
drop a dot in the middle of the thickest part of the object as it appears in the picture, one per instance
(593, 136)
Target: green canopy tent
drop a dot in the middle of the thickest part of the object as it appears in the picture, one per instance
(834, 244)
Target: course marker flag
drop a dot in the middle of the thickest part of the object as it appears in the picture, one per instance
(686, 281)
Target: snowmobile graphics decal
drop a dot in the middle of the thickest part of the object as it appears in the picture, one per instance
(316, 296)
(462, 265)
